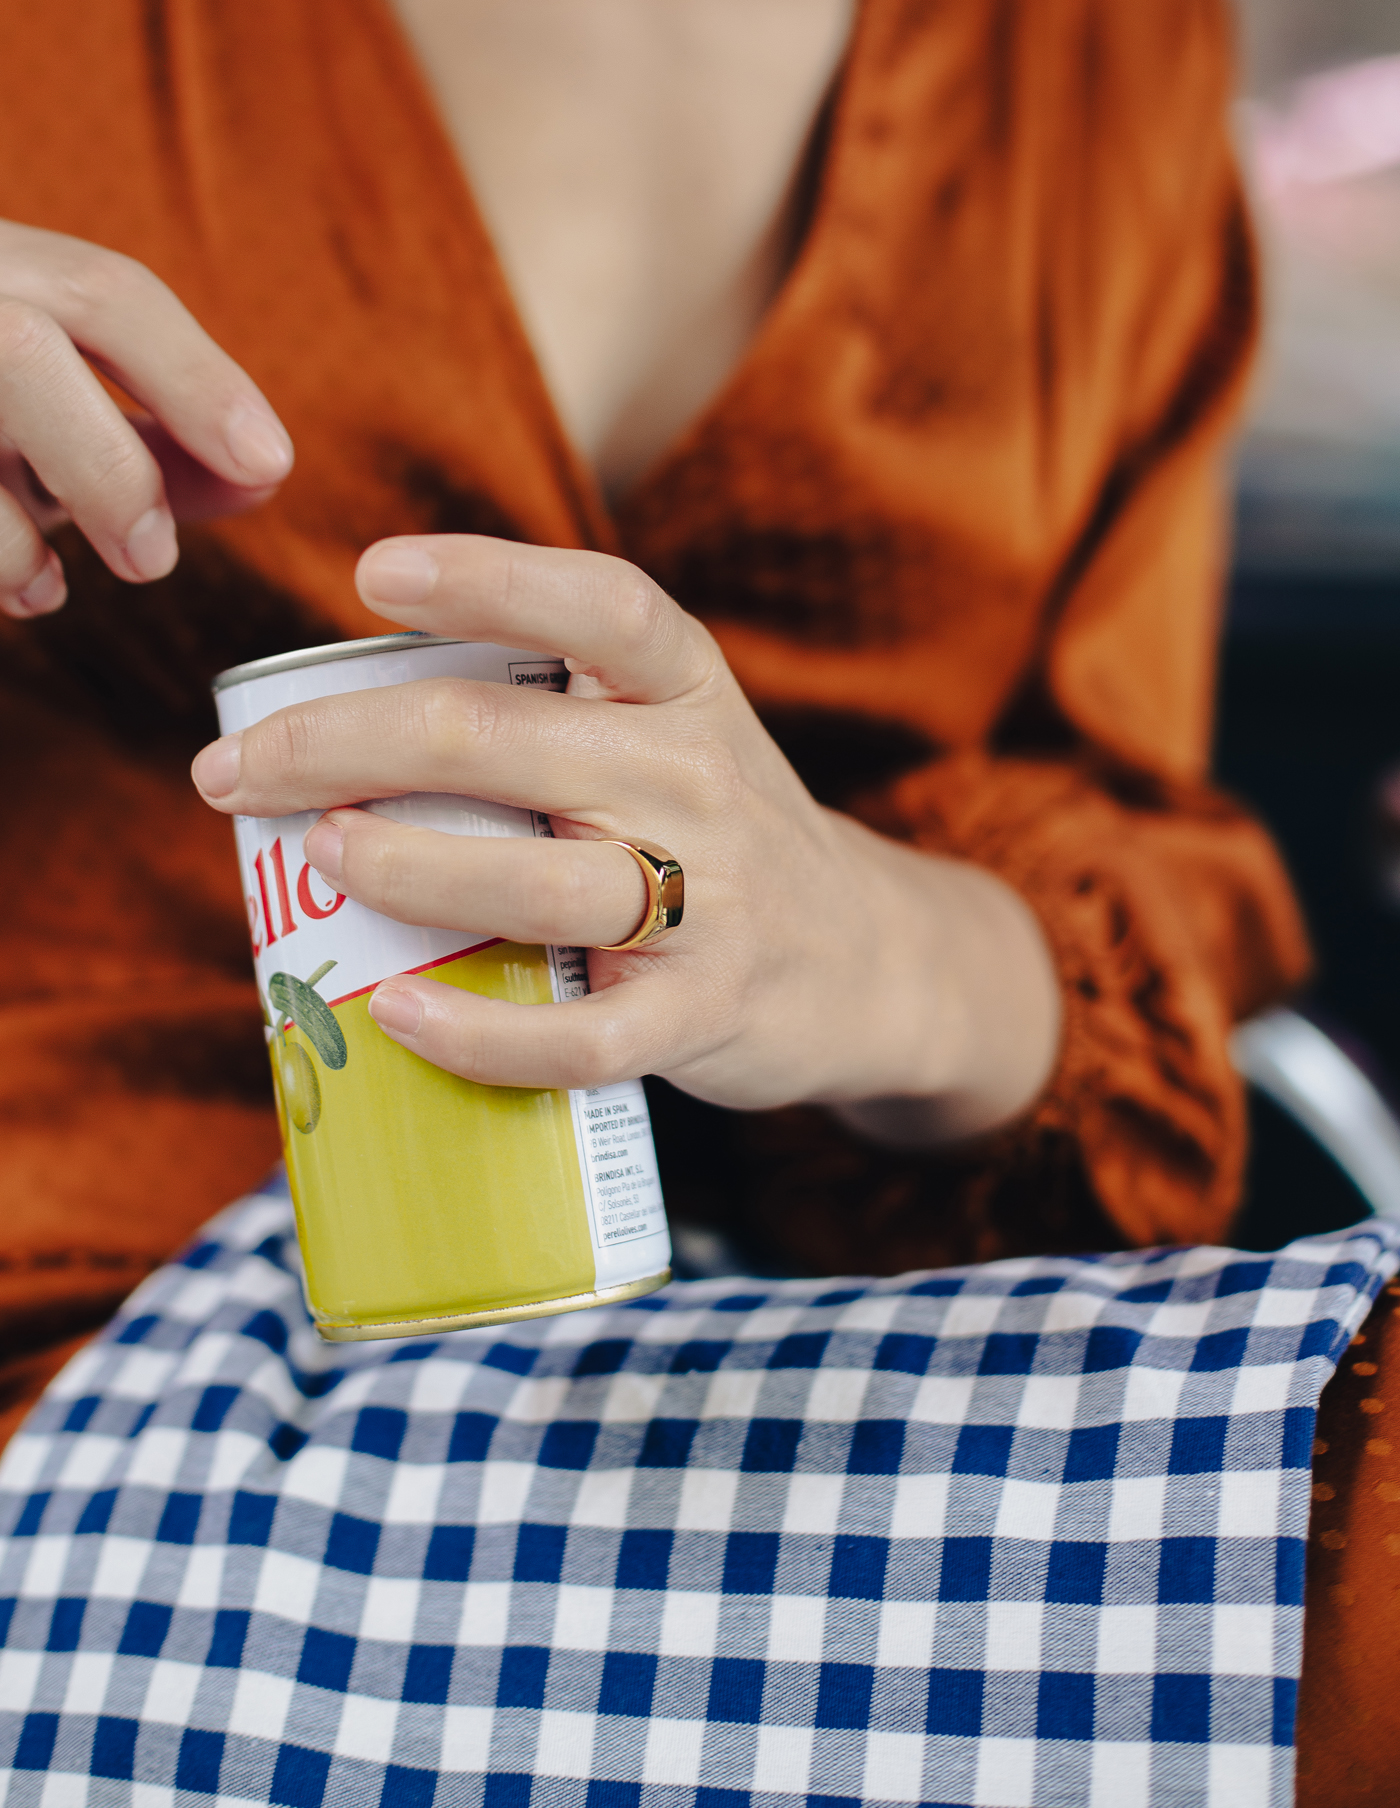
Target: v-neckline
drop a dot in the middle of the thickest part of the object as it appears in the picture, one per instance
(604, 514)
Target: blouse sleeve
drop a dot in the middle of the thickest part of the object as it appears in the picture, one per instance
(1169, 918)
(1166, 906)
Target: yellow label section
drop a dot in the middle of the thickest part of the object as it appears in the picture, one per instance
(418, 1193)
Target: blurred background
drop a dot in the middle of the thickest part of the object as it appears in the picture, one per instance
(1309, 725)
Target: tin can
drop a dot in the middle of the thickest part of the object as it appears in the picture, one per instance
(425, 1202)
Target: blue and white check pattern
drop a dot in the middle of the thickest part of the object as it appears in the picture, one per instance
(1020, 1534)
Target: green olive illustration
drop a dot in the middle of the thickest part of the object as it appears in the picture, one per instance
(298, 1085)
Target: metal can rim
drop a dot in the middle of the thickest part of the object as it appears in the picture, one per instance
(337, 649)
(437, 1325)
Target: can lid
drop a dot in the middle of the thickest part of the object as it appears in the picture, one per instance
(340, 649)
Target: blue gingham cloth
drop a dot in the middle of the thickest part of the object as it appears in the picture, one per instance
(1019, 1534)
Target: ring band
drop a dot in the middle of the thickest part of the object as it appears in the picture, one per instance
(665, 896)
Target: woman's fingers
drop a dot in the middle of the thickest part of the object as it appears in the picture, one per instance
(136, 330)
(609, 619)
(574, 893)
(80, 446)
(613, 1035)
(31, 578)
(67, 306)
(537, 750)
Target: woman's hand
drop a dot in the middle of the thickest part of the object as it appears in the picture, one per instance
(209, 445)
(816, 961)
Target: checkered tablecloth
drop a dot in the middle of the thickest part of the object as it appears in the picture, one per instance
(1020, 1534)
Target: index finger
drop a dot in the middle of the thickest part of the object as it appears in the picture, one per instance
(605, 617)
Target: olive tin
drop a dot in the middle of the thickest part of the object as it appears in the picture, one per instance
(425, 1202)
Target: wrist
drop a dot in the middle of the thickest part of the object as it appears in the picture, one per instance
(960, 1014)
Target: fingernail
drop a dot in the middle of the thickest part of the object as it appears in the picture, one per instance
(258, 443)
(324, 847)
(397, 574)
(151, 548)
(46, 592)
(398, 1012)
(216, 768)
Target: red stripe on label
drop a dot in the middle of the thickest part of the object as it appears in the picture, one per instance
(442, 960)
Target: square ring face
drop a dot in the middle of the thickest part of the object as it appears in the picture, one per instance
(665, 883)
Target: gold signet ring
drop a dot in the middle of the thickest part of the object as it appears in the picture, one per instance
(665, 896)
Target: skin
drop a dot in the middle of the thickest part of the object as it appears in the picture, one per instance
(637, 166)
(209, 443)
(817, 961)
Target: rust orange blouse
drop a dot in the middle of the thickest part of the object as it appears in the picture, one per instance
(955, 519)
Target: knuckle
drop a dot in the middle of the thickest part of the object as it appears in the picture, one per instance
(283, 747)
(651, 626)
(452, 714)
(95, 281)
(121, 468)
(641, 609)
(599, 1050)
(716, 777)
(397, 869)
(375, 866)
(27, 333)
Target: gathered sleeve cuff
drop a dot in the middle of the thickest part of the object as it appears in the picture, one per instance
(1169, 917)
